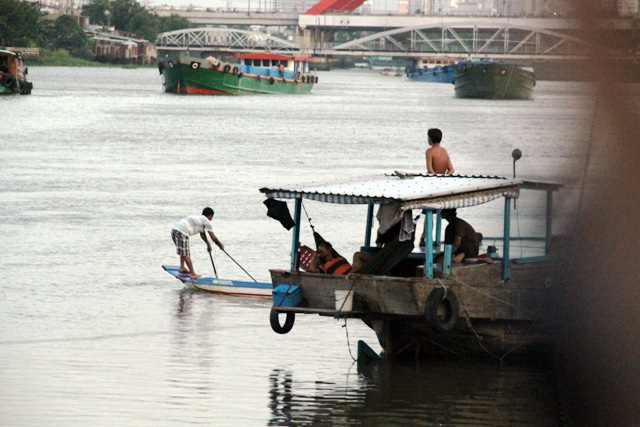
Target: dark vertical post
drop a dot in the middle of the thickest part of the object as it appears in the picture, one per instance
(549, 232)
(296, 234)
(506, 266)
(428, 245)
(367, 233)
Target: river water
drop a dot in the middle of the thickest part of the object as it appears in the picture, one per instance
(98, 164)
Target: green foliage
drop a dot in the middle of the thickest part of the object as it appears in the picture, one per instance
(67, 34)
(172, 23)
(62, 57)
(96, 9)
(20, 24)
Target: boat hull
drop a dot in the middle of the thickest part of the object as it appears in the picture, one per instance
(494, 81)
(222, 286)
(495, 318)
(180, 77)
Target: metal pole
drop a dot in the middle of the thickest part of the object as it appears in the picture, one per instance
(296, 234)
(506, 266)
(428, 245)
(438, 226)
(367, 233)
(549, 230)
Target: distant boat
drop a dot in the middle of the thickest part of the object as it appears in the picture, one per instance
(494, 80)
(391, 72)
(436, 70)
(256, 73)
(13, 74)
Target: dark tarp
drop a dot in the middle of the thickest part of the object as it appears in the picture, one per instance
(388, 257)
(279, 210)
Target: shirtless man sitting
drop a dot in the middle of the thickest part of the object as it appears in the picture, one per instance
(438, 160)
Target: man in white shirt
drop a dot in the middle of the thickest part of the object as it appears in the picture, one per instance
(194, 224)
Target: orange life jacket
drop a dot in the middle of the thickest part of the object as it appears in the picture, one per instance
(337, 265)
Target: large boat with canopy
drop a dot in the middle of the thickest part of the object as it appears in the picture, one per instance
(13, 74)
(416, 299)
(254, 73)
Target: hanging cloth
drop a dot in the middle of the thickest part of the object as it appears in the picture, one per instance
(279, 210)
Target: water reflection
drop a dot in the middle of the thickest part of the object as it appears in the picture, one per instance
(385, 394)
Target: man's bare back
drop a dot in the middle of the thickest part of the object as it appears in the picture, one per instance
(438, 160)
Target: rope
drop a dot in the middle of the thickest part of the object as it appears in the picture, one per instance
(492, 297)
(307, 215)
(346, 329)
(470, 325)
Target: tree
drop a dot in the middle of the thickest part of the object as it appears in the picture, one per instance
(172, 23)
(67, 34)
(96, 9)
(20, 24)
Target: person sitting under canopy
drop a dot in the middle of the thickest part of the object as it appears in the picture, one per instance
(328, 261)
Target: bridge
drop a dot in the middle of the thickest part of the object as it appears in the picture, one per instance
(365, 22)
(488, 38)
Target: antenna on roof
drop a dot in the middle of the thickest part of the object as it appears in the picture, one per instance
(516, 154)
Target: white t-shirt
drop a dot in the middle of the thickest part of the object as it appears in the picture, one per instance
(194, 224)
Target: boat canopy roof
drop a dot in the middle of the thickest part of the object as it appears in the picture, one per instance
(411, 191)
(270, 56)
(7, 53)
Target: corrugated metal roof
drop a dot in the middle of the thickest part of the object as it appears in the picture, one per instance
(403, 188)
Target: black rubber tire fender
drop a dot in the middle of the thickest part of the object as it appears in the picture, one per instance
(451, 307)
(235, 70)
(271, 80)
(240, 75)
(316, 80)
(195, 65)
(303, 79)
(275, 322)
(226, 68)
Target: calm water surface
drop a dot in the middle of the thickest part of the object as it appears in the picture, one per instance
(98, 164)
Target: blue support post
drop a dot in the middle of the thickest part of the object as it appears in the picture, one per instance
(367, 234)
(549, 223)
(296, 234)
(506, 267)
(428, 245)
(438, 226)
(446, 265)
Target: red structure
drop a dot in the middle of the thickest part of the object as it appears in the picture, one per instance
(325, 6)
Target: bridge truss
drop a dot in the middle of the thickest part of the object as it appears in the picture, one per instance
(223, 39)
(466, 39)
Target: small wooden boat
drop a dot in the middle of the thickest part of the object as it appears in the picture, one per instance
(222, 286)
(421, 305)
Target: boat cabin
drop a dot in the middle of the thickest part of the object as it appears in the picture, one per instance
(266, 64)
(428, 195)
(425, 63)
(13, 74)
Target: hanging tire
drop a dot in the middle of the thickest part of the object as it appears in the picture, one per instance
(317, 79)
(271, 80)
(226, 68)
(240, 75)
(442, 310)
(235, 70)
(275, 322)
(303, 79)
(195, 65)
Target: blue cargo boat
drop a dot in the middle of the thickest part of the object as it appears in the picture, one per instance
(436, 70)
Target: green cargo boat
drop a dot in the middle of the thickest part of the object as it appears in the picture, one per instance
(259, 73)
(13, 74)
(493, 80)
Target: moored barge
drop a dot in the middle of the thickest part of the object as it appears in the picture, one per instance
(496, 307)
(493, 80)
